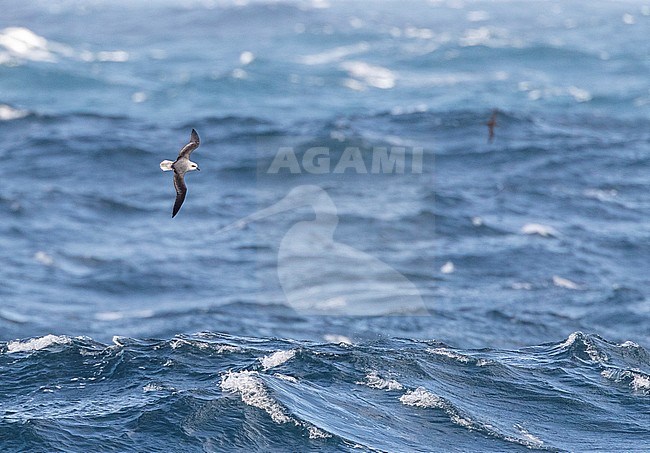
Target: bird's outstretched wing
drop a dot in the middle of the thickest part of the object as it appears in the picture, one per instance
(181, 191)
(191, 146)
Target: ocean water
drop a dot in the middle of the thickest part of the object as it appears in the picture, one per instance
(356, 267)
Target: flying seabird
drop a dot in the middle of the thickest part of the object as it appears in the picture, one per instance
(182, 165)
(491, 124)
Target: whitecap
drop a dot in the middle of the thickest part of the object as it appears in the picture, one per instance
(119, 341)
(315, 433)
(246, 58)
(22, 43)
(252, 392)
(277, 358)
(641, 383)
(374, 76)
(565, 283)
(286, 377)
(637, 380)
(8, 113)
(579, 94)
(448, 268)
(250, 388)
(373, 380)
(590, 348)
(36, 344)
(177, 343)
(629, 344)
(153, 387)
(539, 229)
(450, 354)
(529, 438)
(421, 397)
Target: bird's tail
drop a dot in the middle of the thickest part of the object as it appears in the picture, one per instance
(166, 165)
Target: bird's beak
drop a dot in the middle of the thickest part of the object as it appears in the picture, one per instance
(198, 169)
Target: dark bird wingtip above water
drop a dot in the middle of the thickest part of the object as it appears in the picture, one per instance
(180, 166)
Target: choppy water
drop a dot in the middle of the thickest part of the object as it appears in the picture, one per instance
(490, 297)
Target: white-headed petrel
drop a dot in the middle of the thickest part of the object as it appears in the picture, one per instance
(182, 165)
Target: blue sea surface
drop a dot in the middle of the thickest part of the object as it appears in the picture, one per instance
(356, 267)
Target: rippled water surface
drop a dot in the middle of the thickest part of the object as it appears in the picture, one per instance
(356, 267)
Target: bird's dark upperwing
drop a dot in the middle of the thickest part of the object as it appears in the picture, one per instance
(191, 146)
(181, 191)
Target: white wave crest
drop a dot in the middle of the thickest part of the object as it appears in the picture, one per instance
(374, 76)
(562, 282)
(21, 43)
(253, 393)
(218, 348)
(374, 381)
(529, 439)
(285, 377)
(590, 348)
(155, 387)
(641, 383)
(538, 228)
(448, 268)
(315, 433)
(8, 113)
(421, 397)
(638, 381)
(450, 354)
(36, 344)
(277, 358)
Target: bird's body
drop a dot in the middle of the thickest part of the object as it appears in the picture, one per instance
(491, 124)
(180, 166)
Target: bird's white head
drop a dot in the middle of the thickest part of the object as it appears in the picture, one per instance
(193, 166)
